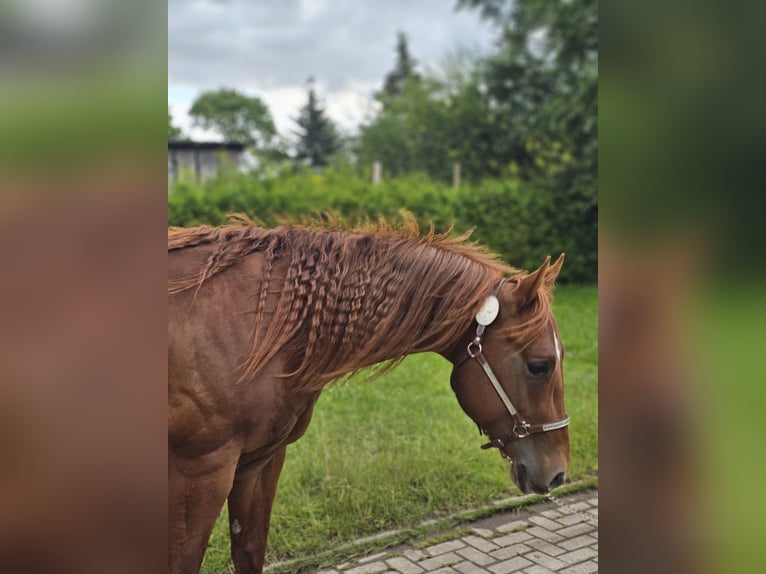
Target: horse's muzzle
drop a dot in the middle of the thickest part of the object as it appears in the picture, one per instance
(521, 477)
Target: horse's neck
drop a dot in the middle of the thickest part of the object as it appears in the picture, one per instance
(395, 302)
(441, 328)
(376, 349)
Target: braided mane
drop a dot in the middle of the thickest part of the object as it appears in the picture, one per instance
(350, 297)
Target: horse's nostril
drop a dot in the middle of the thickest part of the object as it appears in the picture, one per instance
(558, 480)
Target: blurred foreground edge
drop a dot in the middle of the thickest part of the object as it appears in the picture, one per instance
(83, 401)
(648, 411)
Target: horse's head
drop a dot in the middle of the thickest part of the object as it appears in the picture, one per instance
(508, 377)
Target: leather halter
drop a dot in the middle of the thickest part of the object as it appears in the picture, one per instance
(521, 428)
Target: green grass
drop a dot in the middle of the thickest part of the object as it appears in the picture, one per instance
(393, 452)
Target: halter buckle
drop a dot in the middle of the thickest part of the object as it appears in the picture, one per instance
(494, 443)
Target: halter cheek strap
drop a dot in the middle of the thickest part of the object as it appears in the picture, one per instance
(521, 429)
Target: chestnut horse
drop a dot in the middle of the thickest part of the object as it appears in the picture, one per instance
(261, 320)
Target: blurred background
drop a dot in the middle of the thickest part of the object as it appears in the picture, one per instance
(83, 404)
(680, 283)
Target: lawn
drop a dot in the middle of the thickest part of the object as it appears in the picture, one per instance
(398, 450)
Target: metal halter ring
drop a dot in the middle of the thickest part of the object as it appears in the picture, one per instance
(474, 349)
(521, 433)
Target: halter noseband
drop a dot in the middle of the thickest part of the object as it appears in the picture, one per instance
(521, 429)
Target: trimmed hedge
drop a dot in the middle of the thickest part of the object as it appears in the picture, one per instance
(521, 222)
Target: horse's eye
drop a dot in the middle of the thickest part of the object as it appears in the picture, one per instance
(539, 368)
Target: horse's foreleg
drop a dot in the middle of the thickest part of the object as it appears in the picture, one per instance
(249, 512)
(197, 491)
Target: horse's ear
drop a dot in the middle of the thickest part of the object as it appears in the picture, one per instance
(553, 271)
(529, 284)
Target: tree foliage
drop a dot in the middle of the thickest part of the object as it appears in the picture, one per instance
(527, 110)
(234, 116)
(543, 84)
(318, 138)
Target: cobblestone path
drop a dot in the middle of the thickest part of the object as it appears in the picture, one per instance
(559, 537)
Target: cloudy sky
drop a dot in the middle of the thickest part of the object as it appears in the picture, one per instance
(269, 48)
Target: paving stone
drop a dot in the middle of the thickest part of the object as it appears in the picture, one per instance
(446, 570)
(569, 508)
(537, 569)
(483, 532)
(475, 556)
(450, 546)
(543, 546)
(593, 502)
(575, 530)
(544, 534)
(441, 560)
(331, 571)
(468, 567)
(582, 568)
(580, 555)
(552, 514)
(571, 519)
(577, 542)
(509, 551)
(565, 509)
(512, 565)
(370, 568)
(545, 522)
(372, 557)
(544, 560)
(513, 526)
(513, 538)
(579, 506)
(480, 543)
(403, 565)
(414, 555)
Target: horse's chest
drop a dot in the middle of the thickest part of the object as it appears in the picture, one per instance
(279, 422)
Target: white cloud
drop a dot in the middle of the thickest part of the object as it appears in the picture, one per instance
(311, 8)
(351, 107)
(179, 101)
(284, 104)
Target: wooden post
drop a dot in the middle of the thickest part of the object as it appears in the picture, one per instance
(456, 174)
(377, 171)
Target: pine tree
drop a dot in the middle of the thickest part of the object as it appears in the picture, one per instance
(318, 137)
(404, 69)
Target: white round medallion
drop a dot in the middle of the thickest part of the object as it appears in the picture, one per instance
(488, 312)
